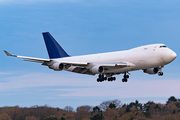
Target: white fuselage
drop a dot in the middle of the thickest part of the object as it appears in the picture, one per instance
(150, 58)
(144, 57)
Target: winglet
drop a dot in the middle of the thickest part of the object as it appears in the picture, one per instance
(8, 54)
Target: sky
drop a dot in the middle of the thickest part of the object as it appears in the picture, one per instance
(84, 27)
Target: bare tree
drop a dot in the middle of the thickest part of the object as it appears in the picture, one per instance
(104, 105)
(69, 108)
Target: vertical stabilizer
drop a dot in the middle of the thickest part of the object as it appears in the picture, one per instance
(53, 48)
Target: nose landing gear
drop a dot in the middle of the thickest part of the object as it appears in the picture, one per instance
(160, 73)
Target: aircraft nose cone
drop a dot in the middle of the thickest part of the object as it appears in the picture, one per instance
(173, 55)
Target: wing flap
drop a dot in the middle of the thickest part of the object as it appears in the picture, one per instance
(82, 70)
(85, 67)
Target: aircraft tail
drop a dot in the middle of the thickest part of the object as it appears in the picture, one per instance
(53, 48)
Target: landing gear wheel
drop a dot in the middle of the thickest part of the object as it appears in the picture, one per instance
(101, 78)
(111, 78)
(125, 77)
(124, 80)
(160, 73)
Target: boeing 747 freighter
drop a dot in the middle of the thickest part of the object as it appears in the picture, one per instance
(149, 58)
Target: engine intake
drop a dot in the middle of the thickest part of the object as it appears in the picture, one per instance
(151, 70)
(57, 66)
(97, 69)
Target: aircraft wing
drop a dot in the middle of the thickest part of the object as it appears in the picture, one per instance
(78, 67)
(101, 64)
(30, 59)
(86, 64)
(85, 67)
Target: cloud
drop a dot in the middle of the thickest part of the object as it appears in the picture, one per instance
(4, 73)
(75, 89)
(35, 1)
(41, 79)
(86, 86)
(160, 88)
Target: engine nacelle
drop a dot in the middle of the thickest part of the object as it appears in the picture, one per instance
(57, 66)
(151, 70)
(97, 69)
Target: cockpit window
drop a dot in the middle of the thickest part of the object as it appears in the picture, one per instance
(163, 46)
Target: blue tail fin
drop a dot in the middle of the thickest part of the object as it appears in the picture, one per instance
(53, 48)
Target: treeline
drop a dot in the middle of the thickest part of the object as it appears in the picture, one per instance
(107, 110)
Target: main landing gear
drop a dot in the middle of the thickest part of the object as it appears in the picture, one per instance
(101, 78)
(125, 79)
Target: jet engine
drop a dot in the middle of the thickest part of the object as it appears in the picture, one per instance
(151, 70)
(57, 66)
(97, 69)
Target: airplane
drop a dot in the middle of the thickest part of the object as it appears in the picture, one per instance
(149, 58)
